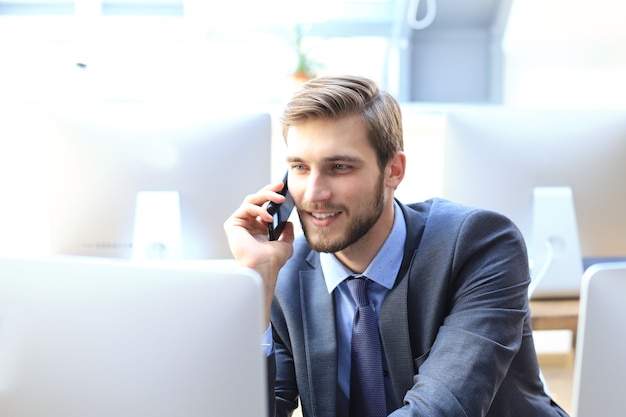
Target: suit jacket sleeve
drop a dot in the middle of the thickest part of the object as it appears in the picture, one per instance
(282, 388)
(469, 277)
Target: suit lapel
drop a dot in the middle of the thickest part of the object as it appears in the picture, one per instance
(394, 325)
(394, 321)
(319, 324)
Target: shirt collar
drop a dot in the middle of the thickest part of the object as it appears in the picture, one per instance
(384, 267)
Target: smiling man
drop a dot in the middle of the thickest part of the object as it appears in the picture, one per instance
(438, 290)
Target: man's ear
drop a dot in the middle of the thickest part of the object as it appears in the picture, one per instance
(395, 170)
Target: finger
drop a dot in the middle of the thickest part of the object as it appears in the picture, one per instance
(248, 214)
(268, 193)
(287, 234)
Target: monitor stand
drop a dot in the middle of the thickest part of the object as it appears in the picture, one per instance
(554, 246)
(157, 233)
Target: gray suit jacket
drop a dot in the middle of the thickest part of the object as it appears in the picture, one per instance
(455, 327)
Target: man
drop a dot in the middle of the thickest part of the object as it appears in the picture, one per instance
(447, 283)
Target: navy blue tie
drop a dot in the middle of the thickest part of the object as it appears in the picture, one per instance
(367, 384)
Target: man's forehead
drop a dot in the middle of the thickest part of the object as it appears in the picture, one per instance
(347, 131)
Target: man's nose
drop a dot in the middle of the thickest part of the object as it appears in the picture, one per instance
(317, 188)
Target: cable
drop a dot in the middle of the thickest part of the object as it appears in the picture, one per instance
(431, 12)
(534, 282)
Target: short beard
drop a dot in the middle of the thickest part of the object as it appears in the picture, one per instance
(359, 227)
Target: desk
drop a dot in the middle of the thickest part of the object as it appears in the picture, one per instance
(555, 314)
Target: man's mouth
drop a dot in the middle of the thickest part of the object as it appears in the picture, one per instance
(324, 216)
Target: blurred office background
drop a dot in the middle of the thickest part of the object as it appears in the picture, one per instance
(523, 53)
(197, 55)
(186, 55)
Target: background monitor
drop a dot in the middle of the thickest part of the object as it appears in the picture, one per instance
(600, 363)
(103, 155)
(104, 337)
(24, 157)
(495, 156)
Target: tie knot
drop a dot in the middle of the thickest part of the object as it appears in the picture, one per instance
(358, 289)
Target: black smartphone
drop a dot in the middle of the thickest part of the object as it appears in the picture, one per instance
(280, 212)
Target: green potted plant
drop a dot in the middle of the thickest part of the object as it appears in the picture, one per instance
(305, 66)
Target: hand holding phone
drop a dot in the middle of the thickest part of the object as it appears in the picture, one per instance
(280, 212)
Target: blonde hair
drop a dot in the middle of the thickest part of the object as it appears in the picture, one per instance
(334, 97)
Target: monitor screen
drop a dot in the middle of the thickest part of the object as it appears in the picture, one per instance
(191, 168)
(497, 157)
(105, 337)
(600, 364)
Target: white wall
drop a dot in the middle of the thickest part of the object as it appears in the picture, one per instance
(565, 53)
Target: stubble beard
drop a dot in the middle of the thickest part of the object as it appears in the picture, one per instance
(361, 224)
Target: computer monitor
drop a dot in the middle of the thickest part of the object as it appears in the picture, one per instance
(102, 337)
(494, 157)
(123, 175)
(600, 364)
(23, 158)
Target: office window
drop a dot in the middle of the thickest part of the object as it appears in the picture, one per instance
(183, 49)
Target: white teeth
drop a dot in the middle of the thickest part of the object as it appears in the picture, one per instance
(323, 216)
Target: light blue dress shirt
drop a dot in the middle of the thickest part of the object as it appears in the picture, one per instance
(383, 271)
